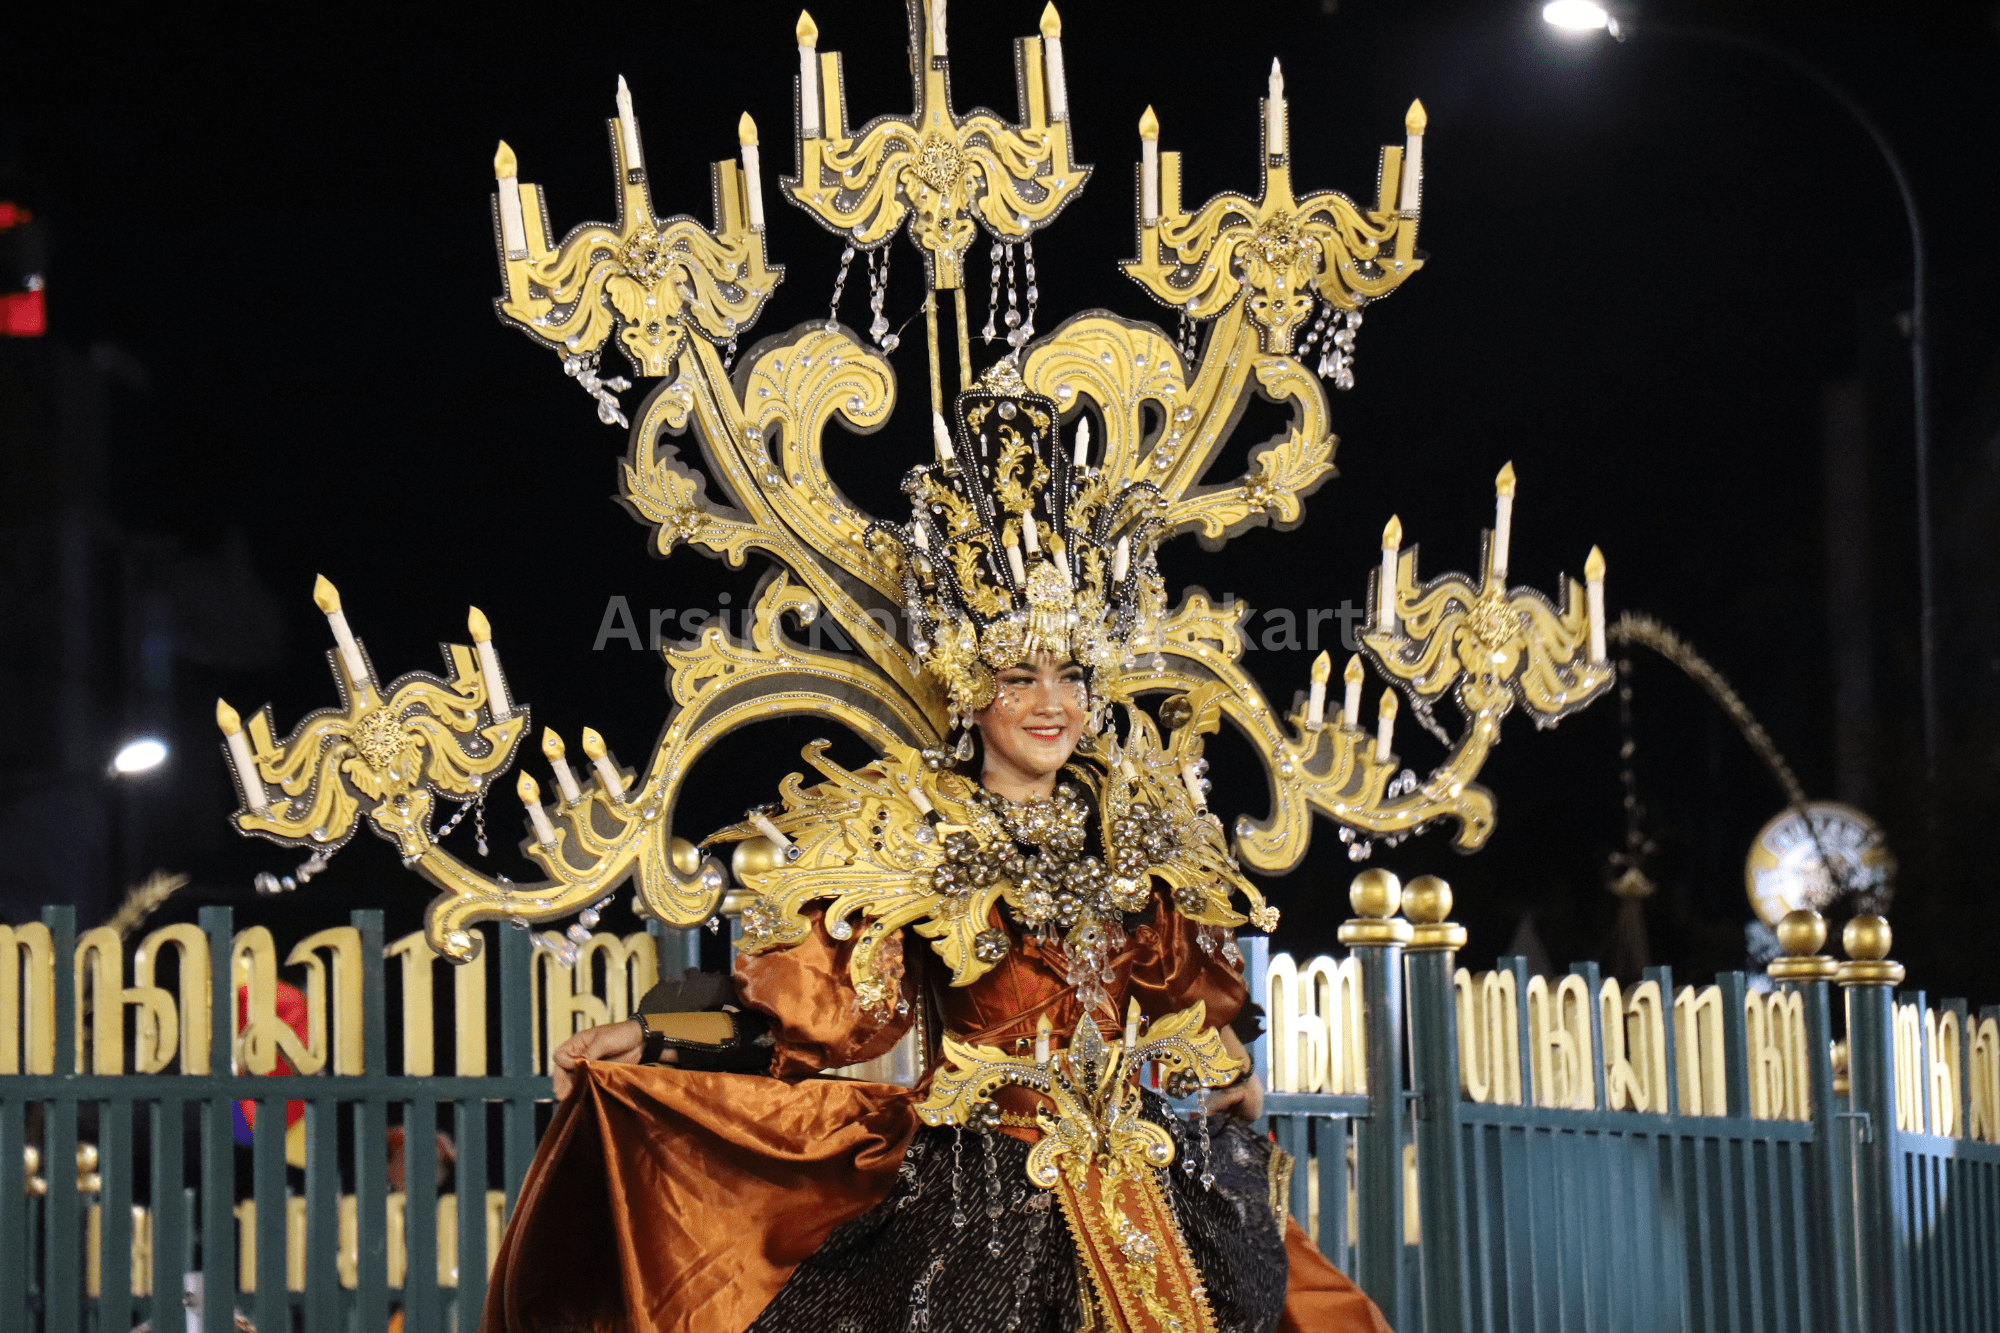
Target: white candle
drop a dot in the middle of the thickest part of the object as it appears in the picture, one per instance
(1503, 522)
(941, 436)
(1052, 57)
(1413, 158)
(1192, 781)
(489, 663)
(1149, 168)
(248, 781)
(1121, 559)
(1593, 585)
(808, 33)
(1082, 443)
(1131, 1026)
(1019, 570)
(763, 825)
(530, 793)
(554, 752)
(327, 598)
(1385, 605)
(1322, 669)
(628, 127)
(753, 181)
(1028, 536)
(923, 537)
(1351, 705)
(1274, 112)
(916, 793)
(513, 234)
(1042, 1027)
(608, 776)
(1385, 725)
(937, 29)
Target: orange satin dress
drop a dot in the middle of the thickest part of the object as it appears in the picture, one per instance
(669, 1201)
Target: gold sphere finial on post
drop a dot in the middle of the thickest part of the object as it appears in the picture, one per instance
(1426, 905)
(1801, 932)
(1375, 894)
(1426, 900)
(1866, 939)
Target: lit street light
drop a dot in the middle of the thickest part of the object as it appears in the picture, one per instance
(139, 756)
(1581, 16)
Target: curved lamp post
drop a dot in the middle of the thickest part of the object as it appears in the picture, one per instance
(1586, 16)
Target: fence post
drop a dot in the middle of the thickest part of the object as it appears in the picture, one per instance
(1432, 960)
(62, 1279)
(1377, 938)
(1829, 1171)
(1880, 1236)
(216, 1215)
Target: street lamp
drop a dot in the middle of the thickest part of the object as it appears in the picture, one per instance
(139, 756)
(1582, 17)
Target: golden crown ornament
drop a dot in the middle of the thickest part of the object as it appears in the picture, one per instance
(1040, 493)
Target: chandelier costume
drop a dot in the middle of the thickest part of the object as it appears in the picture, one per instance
(1029, 1180)
(1018, 1186)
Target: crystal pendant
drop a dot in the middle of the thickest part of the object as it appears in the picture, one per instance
(964, 751)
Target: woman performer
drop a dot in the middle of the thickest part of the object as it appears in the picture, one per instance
(1075, 897)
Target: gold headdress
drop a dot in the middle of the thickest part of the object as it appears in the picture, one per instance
(1017, 546)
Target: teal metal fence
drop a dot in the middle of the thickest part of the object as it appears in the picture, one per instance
(1489, 1152)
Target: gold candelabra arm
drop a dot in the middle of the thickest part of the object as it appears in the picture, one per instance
(934, 169)
(1276, 253)
(654, 281)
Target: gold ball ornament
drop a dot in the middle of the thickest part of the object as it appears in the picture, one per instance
(1426, 900)
(1866, 939)
(686, 856)
(1801, 932)
(1375, 893)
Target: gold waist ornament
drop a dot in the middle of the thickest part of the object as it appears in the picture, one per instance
(1102, 1157)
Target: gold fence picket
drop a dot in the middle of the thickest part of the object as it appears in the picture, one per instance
(1698, 1051)
(155, 1045)
(1317, 1043)
(1635, 1047)
(1559, 1036)
(1983, 1123)
(27, 999)
(1489, 1037)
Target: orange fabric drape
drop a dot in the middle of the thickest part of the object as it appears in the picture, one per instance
(1318, 1296)
(666, 1201)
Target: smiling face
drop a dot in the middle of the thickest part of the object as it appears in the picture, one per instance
(1032, 726)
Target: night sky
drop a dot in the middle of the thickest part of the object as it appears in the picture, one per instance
(1650, 263)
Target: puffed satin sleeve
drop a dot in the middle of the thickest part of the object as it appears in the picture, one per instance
(815, 1022)
(1170, 969)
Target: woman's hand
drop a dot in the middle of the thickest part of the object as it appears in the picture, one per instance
(1245, 1100)
(618, 1043)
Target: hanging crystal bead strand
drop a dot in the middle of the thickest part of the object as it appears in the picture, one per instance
(1013, 320)
(878, 292)
(1312, 337)
(1201, 1109)
(839, 287)
(994, 1207)
(1034, 292)
(987, 334)
(1187, 340)
(957, 1160)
